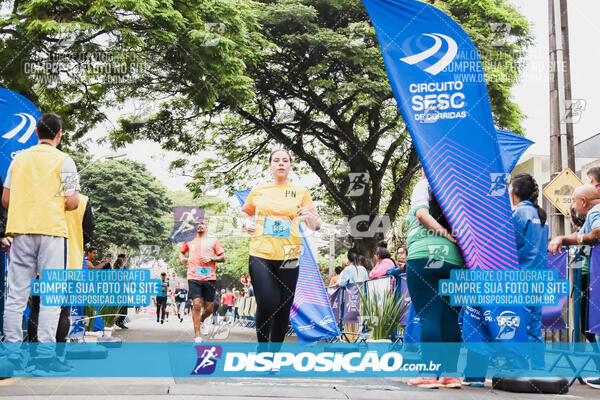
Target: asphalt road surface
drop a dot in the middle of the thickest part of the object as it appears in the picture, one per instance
(143, 327)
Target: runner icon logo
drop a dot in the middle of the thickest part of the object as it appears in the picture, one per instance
(207, 359)
(499, 184)
(437, 255)
(185, 221)
(359, 181)
(219, 332)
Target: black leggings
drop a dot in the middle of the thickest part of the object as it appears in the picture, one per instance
(584, 319)
(161, 307)
(122, 315)
(439, 320)
(274, 283)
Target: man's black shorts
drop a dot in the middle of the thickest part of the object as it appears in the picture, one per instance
(202, 289)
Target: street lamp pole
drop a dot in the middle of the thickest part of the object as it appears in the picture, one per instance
(562, 151)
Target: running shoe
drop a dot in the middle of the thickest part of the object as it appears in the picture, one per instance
(593, 382)
(64, 363)
(198, 339)
(450, 382)
(48, 367)
(427, 382)
(17, 363)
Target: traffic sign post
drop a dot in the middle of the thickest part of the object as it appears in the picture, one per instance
(560, 192)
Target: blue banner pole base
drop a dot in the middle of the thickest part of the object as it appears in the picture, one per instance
(87, 351)
(110, 341)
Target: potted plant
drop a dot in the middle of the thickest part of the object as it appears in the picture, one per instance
(108, 319)
(382, 314)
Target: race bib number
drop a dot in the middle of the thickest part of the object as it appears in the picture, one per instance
(203, 271)
(275, 228)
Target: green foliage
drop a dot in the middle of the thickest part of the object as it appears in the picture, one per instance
(321, 90)
(384, 313)
(501, 51)
(341, 247)
(236, 261)
(108, 320)
(323, 263)
(128, 203)
(76, 57)
(173, 260)
(304, 74)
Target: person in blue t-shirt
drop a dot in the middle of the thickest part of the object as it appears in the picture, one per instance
(529, 220)
(531, 231)
(354, 272)
(585, 204)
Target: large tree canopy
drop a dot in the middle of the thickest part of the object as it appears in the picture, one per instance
(79, 57)
(128, 204)
(235, 77)
(321, 90)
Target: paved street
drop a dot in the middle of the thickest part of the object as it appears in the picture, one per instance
(143, 327)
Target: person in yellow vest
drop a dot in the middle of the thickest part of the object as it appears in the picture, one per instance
(80, 224)
(80, 231)
(42, 184)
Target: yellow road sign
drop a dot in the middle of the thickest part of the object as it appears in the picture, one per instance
(560, 190)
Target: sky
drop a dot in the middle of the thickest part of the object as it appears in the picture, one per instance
(531, 93)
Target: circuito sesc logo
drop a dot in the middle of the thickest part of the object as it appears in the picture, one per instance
(508, 322)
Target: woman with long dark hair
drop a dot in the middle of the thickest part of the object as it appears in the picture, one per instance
(531, 231)
(275, 245)
(432, 254)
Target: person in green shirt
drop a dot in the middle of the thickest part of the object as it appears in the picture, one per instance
(432, 254)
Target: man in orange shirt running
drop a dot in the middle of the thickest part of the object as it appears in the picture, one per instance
(204, 253)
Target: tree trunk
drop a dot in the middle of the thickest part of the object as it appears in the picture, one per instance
(366, 246)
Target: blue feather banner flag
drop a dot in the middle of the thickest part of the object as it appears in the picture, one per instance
(18, 120)
(437, 79)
